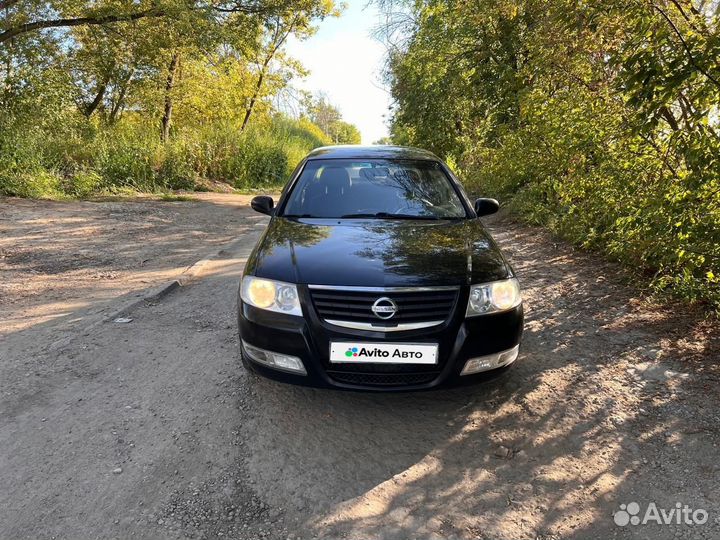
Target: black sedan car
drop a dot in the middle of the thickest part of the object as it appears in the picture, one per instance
(375, 273)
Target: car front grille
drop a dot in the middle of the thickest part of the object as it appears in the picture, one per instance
(413, 305)
(383, 379)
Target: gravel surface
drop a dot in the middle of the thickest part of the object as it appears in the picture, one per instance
(152, 429)
(58, 259)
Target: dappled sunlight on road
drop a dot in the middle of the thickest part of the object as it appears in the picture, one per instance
(84, 300)
(502, 470)
(548, 451)
(588, 418)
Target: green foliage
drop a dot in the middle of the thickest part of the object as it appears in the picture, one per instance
(598, 119)
(328, 117)
(131, 157)
(83, 183)
(345, 133)
(104, 96)
(171, 197)
(39, 184)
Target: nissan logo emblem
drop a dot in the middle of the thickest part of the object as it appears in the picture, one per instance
(384, 308)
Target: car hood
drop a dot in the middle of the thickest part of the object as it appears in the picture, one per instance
(377, 253)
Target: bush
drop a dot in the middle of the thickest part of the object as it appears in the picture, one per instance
(38, 184)
(176, 170)
(130, 157)
(575, 168)
(127, 158)
(83, 183)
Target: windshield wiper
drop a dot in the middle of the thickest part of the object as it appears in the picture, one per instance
(388, 215)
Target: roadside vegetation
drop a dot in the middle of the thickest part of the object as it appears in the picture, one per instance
(599, 119)
(118, 97)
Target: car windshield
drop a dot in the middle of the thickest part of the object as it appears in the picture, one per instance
(377, 188)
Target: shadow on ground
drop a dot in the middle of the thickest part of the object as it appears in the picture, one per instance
(607, 404)
(600, 410)
(58, 258)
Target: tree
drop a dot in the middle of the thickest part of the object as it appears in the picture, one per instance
(328, 117)
(149, 94)
(599, 118)
(345, 133)
(322, 112)
(23, 17)
(299, 22)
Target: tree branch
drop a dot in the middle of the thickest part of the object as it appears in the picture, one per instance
(687, 47)
(680, 9)
(249, 8)
(5, 4)
(669, 118)
(688, 19)
(79, 21)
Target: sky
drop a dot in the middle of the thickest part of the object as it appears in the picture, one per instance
(345, 63)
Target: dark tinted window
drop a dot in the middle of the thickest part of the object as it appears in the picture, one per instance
(336, 188)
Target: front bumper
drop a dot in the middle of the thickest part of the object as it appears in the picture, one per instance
(308, 338)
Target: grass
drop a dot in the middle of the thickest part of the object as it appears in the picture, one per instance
(126, 159)
(171, 197)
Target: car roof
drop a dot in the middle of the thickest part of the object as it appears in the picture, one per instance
(352, 151)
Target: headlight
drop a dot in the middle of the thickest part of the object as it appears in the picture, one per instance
(271, 295)
(493, 297)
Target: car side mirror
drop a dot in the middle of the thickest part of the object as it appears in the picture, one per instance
(485, 207)
(263, 204)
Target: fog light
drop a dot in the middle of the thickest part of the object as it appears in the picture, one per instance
(283, 362)
(491, 361)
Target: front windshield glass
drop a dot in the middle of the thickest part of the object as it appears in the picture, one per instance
(377, 188)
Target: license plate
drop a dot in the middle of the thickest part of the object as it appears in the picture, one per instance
(383, 353)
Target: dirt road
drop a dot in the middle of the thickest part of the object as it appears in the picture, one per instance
(151, 429)
(63, 258)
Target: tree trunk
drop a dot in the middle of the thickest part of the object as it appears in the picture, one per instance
(118, 105)
(256, 94)
(172, 75)
(8, 65)
(275, 45)
(669, 118)
(91, 107)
